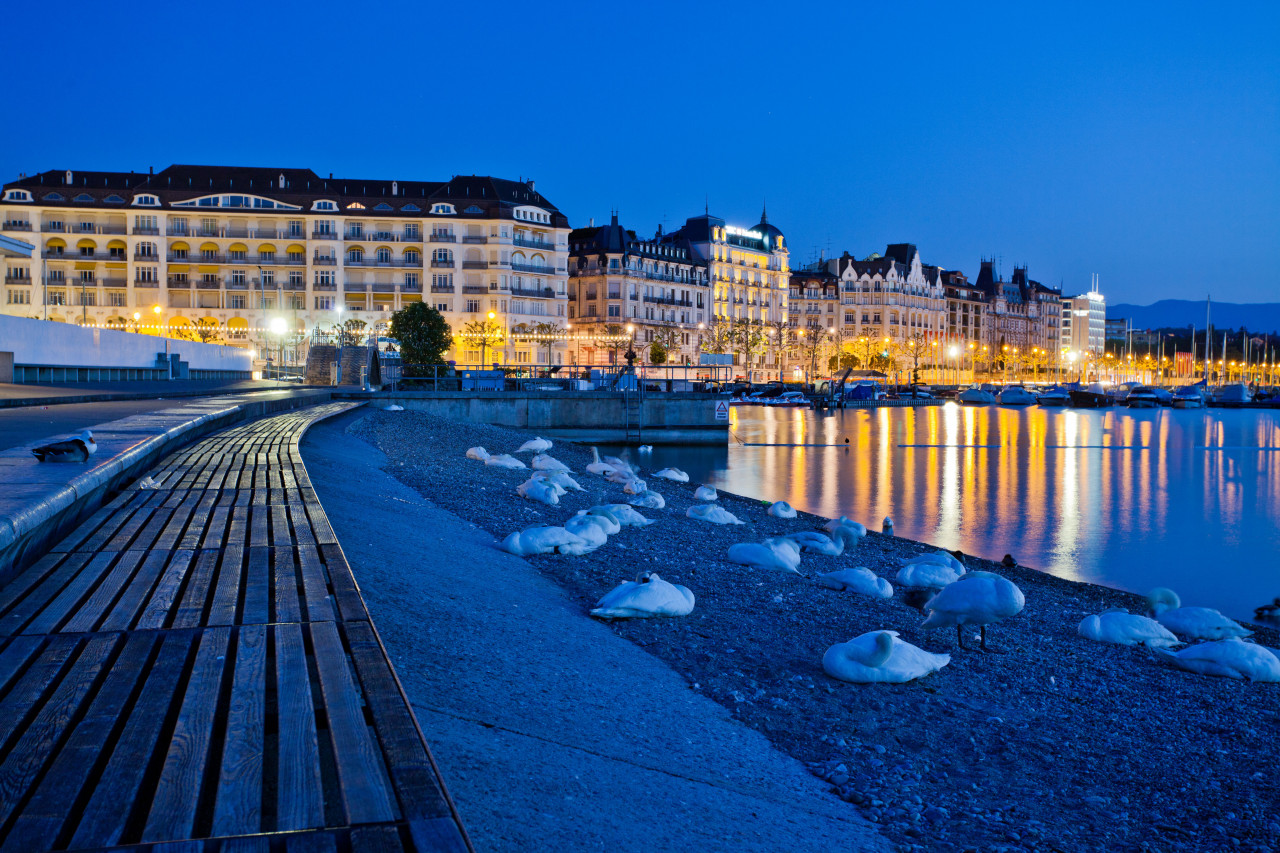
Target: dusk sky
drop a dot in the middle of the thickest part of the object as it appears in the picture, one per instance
(1137, 141)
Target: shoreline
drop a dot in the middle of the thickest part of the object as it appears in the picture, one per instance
(1052, 742)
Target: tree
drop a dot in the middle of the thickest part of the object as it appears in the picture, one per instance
(204, 331)
(782, 340)
(547, 335)
(913, 348)
(719, 337)
(350, 333)
(842, 360)
(667, 340)
(485, 333)
(615, 341)
(747, 336)
(423, 334)
(812, 342)
(657, 353)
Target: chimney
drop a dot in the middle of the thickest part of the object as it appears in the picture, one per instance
(593, 223)
(151, 170)
(68, 177)
(531, 185)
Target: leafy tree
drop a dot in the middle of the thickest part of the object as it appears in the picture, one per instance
(719, 337)
(350, 333)
(204, 331)
(782, 340)
(423, 334)
(657, 353)
(812, 343)
(667, 339)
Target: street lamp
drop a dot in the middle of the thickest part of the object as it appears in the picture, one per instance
(137, 316)
(278, 327)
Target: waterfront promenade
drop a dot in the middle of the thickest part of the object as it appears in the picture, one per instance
(195, 661)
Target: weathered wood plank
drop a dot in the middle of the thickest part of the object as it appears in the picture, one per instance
(299, 791)
(238, 805)
(20, 700)
(38, 588)
(198, 592)
(226, 600)
(312, 842)
(376, 839)
(285, 582)
(160, 607)
(129, 604)
(15, 657)
(104, 597)
(345, 592)
(68, 600)
(257, 587)
(315, 588)
(177, 796)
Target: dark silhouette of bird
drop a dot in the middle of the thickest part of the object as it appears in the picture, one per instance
(77, 449)
(1008, 562)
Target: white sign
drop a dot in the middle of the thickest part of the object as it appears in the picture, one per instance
(722, 410)
(744, 232)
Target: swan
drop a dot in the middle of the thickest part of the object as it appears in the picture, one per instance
(1195, 623)
(543, 462)
(542, 539)
(1123, 628)
(597, 467)
(620, 464)
(648, 500)
(539, 490)
(887, 526)
(977, 598)
(648, 595)
(645, 448)
(1229, 658)
(504, 460)
(927, 575)
(635, 487)
(625, 514)
(535, 445)
(393, 408)
(560, 479)
(941, 558)
(781, 509)
(674, 474)
(820, 543)
(622, 476)
(77, 449)
(478, 453)
(859, 580)
(705, 493)
(712, 513)
(605, 519)
(593, 530)
(776, 553)
(845, 521)
(879, 656)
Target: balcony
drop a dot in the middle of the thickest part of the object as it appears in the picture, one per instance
(526, 243)
(149, 259)
(442, 288)
(324, 235)
(357, 235)
(442, 237)
(325, 285)
(149, 230)
(183, 283)
(474, 288)
(213, 284)
(539, 292)
(670, 300)
(54, 226)
(294, 285)
(138, 282)
(474, 239)
(17, 226)
(475, 265)
(441, 265)
(17, 279)
(367, 261)
(354, 286)
(411, 288)
(538, 269)
(383, 287)
(324, 261)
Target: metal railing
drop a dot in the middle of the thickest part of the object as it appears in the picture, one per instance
(605, 381)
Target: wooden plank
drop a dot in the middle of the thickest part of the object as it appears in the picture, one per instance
(439, 835)
(226, 599)
(30, 578)
(259, 535)
(215, 532)
(163, 600)
(176, 525)
(376, 839)
(177, 796)
(104, 597)
(257, 844)
(140, 530)
(285, 583)
(20, 700)
(314, 588)
(311, 842)
(360, 773)
(37, 594)
(281, 536)
(238, 806)
(15, 657)
(129, 605)
(106, 815)
(345, 592)
(40, 738)
(199, 521)
(299, 791)
(68, 600)
(195, 597)
(413, 774)
(47, 813)
(257, 587)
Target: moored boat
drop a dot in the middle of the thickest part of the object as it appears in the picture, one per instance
(1189, 397)
(1141, 397)
(789, 399)
(1093, 397)
(1232, 395)
(1055, 396)
(1016, 395)
(976, 396)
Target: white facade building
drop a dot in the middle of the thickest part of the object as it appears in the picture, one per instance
(1084, 322)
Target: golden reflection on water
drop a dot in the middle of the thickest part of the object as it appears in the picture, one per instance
(1129, 498)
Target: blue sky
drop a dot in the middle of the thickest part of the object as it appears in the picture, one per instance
(1137, 141)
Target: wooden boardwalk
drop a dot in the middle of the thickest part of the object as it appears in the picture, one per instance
(194, 665)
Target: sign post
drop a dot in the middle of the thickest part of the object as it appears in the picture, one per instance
(722, 410)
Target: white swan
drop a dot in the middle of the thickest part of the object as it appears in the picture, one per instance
(1230, 658)
(648, 595)
(504, 460)
(977, 598)
(1123, 628)
(1194, 623)
(645, 448)
(674, 474)
(781, 509)
(705, 493)
(605, 518)
(535, 489)
(535, 445)
(887, 526)
(942, 558)
(618, 463)
(602, 469)
(620, 475)
(478, 453)
(927, 575)
(648, 500)
(840, 540)
(543, 462)
(880, 657)
(542, 539)
(591, 529)
(561, 479)
(635, 487)
(858, 580)
(845, 521)
(712, 513)
(625, 514)
(393, 408)
(776, 553)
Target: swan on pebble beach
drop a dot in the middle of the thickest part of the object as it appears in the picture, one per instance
(1229, 658)
(712, 513)
(977, 598)
(535, 445)
(673, 474)
(478, 453)
(880, 657)
(561, 479)
(820, 543)
(774, 553)
(635, 487)
(705, 493)
(1194, 623)
(648, 595)
(845, 521)
(1123, 628)
(648, 500)
(781, 509)
(541, 539)
(858, 580)
(605, 518)
(504, 460)
(625, 514)
(536, 489)
(592, 529)
(602, 469)
(887, 526)
(927, 574)
(543, 462)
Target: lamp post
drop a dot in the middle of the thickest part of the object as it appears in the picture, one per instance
(137, 316)
(278, 326)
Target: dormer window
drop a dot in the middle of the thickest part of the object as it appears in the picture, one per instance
(445, 209)
(411, 207)
(83, 197)
(114, 199)
(17, 195)
(382, 206)
(146, 201)
(355, 205)
(325, 205)
(474, 210)
(54, 197)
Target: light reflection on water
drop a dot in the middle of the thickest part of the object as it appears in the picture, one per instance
(1127, 498)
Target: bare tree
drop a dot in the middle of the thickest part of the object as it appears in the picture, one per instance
(812, 343)
(914, 347)
(719, 337)
(204, 331)
(615, 341)
(548, 335)
(748, 335)
(782, 341)
(486, 333)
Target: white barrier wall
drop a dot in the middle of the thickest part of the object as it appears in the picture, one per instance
(62, 344)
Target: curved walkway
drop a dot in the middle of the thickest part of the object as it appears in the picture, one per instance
(196, 662)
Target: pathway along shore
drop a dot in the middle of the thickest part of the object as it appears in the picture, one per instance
(1053, 742)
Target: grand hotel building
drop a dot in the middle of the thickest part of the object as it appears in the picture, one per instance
(244, 247)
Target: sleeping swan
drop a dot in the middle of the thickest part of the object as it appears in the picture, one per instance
(775, 553)
(674, 474)
(879, 656)
(648, 595)
(1123, 628)
(504, 460)
(712, 513)
(1230, 658)
(1195, 623)
(859, 580)
(535, 445)
(542, 539)
(705, 493)
(781, 509)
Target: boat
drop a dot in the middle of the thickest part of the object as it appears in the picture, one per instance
(1093, 397)
(1189, 397)
(976, 396)
(1232, 395)
(1164, 395)
(1055, 396)
(789, 399)
(1016, 395)
(1141, 397)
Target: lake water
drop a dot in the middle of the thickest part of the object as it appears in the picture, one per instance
(1127, 498)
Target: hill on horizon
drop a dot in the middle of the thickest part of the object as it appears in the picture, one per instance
(1260, 317)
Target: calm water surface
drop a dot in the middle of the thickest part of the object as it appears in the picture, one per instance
(1127, 498)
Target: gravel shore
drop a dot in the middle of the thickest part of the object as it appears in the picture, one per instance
(1047, 742)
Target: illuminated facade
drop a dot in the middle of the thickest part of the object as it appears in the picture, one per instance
(749, 268)
(655, 287)
(1022, 314)
(1084, 322)
(892, 296)
(815, 300)
(238, 248)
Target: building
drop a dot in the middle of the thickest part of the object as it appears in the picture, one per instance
(814, 300)
(892, 296)
(237, 250)
(966, 306)
(657, 289)
(1022, 315)
(1116, 332)
(1084, 323)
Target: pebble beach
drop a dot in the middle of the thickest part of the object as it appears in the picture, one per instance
(1048, 741)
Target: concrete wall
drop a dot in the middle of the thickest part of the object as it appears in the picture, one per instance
(62, 344)
(581, 416)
